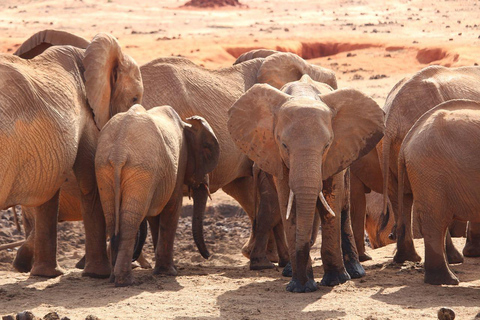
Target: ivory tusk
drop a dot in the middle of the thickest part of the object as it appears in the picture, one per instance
(289, 205)
(330, 214)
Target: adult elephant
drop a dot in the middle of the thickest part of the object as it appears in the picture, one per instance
(306, 135)
(52, 107)
(438, 164)
(408, 100)
(193, 90)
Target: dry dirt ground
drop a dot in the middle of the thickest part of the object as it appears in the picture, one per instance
(370, 44)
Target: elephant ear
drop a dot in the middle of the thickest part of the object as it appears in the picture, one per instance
(284, 67)
(42, 40)
(358, 125)
(251, 125)
(102, 60)
(203, 149)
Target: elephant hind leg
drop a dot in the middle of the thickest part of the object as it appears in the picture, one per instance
(405, 246)
(453, 255)
(437, 270)
(45, 251)
(472, 247)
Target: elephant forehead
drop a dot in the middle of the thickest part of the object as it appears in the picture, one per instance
(304, 108)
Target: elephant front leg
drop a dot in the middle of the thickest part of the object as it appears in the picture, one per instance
(333, 266)
(167, 229)
(45, 251)
(358, 211)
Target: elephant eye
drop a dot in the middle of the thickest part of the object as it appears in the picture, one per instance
(285, 146)
(135, 99)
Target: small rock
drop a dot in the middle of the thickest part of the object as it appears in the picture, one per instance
(446, 314)
(26, 315)
(90, 317)
(9, 317)
(51, 316)
(65, 318)
(477, 316)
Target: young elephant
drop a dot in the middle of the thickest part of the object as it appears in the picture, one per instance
(438, 164)
(306, 135)
(143, 160)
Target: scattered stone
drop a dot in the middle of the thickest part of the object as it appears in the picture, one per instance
(51, 316)
(446, 314)
(91, 317)
(9, 317)
(378, 76)
(213, 3)
(477, 316)
(351, 55)
(26, 315)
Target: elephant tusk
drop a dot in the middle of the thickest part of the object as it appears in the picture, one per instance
(289, 205)
(330, 214)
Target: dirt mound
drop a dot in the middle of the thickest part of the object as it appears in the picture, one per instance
(306, 50)
(437, 56)
(213, 3)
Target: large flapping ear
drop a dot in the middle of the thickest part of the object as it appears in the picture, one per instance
(284, 67)
(251, 125)
(203, 148)
(42, 40)
(101, 61)
(358, 125)
(253, 54)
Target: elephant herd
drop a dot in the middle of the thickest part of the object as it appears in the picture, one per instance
(92, 136)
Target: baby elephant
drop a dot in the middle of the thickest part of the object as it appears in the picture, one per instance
(143, 160)
(438, 163)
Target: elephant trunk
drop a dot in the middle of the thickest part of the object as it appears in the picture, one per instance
(200, 196)
(140, 240)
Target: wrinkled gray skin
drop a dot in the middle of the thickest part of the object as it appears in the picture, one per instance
(408, 101)
(303, 136)
(143, 160)
(52, 107)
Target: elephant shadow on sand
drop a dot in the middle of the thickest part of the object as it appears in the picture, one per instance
(88, 293)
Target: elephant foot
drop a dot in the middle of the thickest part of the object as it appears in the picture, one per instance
(283, 263)
(81, 263)
(97, 270)
(364, 257)
(471, 249)
(23, 260)
(401, 256)
(454, 256)
(287, 271)
(272, 256)
(123, 280)
(354, 268)
(260, 264)
(165, 270)
(438, 278)
(46, 270)
(333, 278)
(296, 287)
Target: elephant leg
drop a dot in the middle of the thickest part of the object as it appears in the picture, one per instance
(282, 248)
(24, 258)
(267, 218)
(453, 255)
(242, 190)
(358, 206)
(45, 251)
(333, 266)
(154, 223)
(437, 270)
(405, 246)
(349, 250)
(472, 247)
(168, 227)
(97, 264)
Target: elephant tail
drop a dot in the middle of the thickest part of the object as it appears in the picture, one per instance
(385, 173)
(404, 220)
(114, 240)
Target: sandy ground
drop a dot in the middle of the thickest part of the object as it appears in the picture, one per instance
(371, 45)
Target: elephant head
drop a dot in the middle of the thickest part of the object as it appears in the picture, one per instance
(113, 82)
(203, 154)
(112, 79)
(306, 135)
